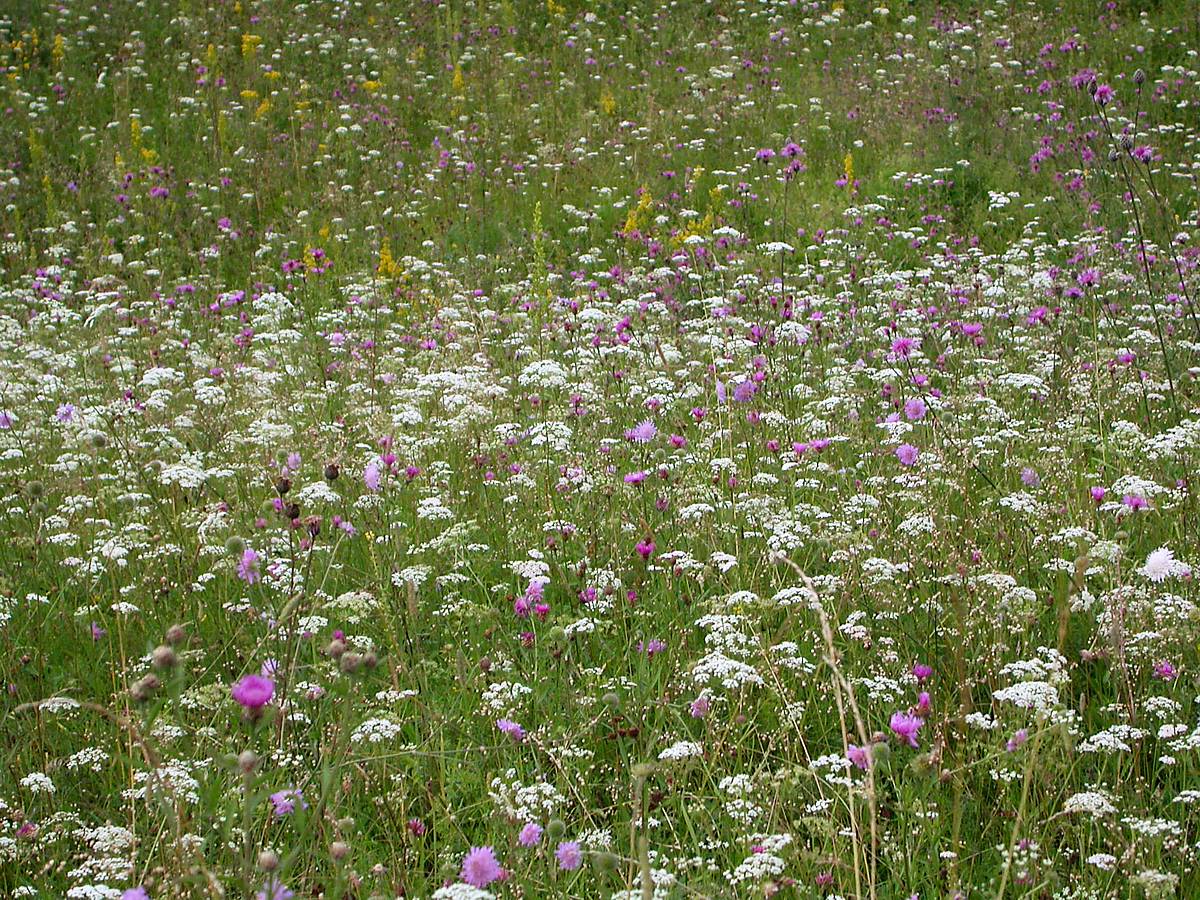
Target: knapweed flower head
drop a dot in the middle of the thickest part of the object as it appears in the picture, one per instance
(642, 433)
(907, 454)
(905, 727)
(253, 691)
(480, 867)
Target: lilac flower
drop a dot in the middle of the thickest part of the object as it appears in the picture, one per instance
(371, 476)
(530, 835)
(907, 454)
(569, 856)
(906, 727)
(284, 802)
(480, 867)
(1030, 478)
(247, 569)
(253, 691)
(65, 413)
(274, 889)
(135, 893)
(512, 729)
(914, 409)
(699, 707)
(642, 433)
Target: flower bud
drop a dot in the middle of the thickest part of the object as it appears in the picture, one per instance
(247, 761)
(268, 861)
(143, 689)
(164, 657)
(339, 850)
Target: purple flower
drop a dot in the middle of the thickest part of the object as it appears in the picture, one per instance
(1030, 478)
(274, 889)
(902, 348)
(914, 409)
(642, 433)
(1165, 671)
(284, 802)
(699, 707)
(512, 729)
(907, 454)
(1018, 738)
(253, 691)
(135, 893)
(905, 727)
(480, 867)
(530, 835)
(1097, 493)
(371, 476)
(65, 413)
(569, 856)
(247, 569)
(921, 672)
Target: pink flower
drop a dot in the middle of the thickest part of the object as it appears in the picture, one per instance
(1165, 671)
(247, 569)
(253, 691)
(371, 476)
(906, 727)
(699, 707)
(860, 756)
(907, 454)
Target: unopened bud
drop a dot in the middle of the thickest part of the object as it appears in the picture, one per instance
(268, 861)
(247, 761)
(164, 657)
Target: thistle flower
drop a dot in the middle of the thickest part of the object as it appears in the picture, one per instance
(905, 727)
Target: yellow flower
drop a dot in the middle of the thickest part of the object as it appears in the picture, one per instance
(250, 44)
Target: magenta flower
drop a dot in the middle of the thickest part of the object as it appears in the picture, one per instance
(907, 454)
(906, 727)
(1098, 493)
(860, 756)
(921, 672)
(1165, 671)
(253, 691)
(480, 867)
(569, 856)
(530, 835)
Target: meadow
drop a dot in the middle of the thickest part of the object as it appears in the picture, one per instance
(724, 448)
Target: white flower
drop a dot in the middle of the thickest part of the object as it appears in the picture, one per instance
(1091, 802)
(1161, 564)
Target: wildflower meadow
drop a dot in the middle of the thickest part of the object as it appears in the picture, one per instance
(704, 448)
